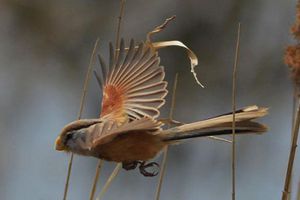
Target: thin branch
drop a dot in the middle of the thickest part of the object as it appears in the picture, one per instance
(109, 181)
(234, 77)
(83, 97)
(288, 176)
(96, 177)
(164, 161)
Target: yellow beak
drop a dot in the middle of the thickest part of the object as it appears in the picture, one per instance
(58, 144)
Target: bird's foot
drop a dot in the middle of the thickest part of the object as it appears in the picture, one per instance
(130, 165)
(143, 166)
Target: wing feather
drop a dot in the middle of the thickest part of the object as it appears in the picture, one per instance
(142, 124)
(134, 85)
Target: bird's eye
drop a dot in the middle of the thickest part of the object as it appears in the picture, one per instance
(68, 137)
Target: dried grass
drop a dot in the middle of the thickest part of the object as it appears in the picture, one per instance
(164, 161)
(292, 59)
(83, 97)
(234, 77)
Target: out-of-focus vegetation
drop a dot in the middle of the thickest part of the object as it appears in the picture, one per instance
(44, 51)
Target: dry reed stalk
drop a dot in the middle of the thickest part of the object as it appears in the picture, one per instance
(292, 59)
(121, 13)
(164, 161)
(109, 181)
(83, 97)
(286, 192)
(96, 177)
(294, 113)
(234, 77)
(298, 192)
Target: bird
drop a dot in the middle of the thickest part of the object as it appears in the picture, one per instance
(128, 130)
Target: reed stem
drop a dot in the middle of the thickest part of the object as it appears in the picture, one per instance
(288, 177)
(83, 97)
(164, 161)
(116, 170)
(234, 77)
(96, 178)
(109, 181)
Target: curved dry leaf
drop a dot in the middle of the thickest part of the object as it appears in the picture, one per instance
(159, 28)
(192, 56)
(158, 45)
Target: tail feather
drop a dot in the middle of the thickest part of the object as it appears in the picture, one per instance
(220, 125)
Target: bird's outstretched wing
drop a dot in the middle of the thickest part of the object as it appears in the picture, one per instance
(132, 85)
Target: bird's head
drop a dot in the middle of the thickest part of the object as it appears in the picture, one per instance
(71, 131)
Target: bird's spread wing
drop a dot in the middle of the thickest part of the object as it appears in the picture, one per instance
(133, 85)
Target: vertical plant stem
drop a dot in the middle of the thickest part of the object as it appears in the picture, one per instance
(292, 154)
(295, 106)
(234, 76)
(87, 79)
(83, 97)
(173, 97)
(109, 181)
(100, 161)
(294, 113)
(164, 161)
(96, 177)
(68, 176)
(298, 192)
(117, 168)
(121, 13)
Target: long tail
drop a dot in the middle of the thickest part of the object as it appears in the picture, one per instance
(219, 125)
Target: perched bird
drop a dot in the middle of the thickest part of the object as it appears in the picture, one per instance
(128, 130)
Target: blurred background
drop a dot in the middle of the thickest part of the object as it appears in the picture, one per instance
(44, 52)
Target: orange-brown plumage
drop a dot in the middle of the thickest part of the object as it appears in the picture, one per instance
(112, 101)
(130, 147)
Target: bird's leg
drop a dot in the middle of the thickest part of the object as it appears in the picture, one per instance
(130, 165)
(143, 166)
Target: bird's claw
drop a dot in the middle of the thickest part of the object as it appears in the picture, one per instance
(130, 166)
(143, 166)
